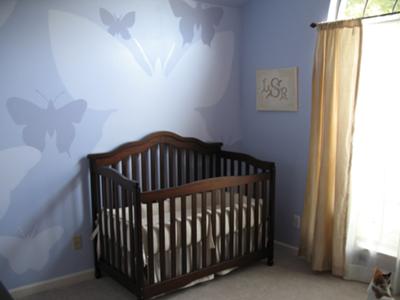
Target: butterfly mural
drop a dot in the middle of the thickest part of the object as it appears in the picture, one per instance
(38, 122)
(20, 160)
(192, 18)
(118, 25)
(6, 9)
(199, 78)
(30, 252)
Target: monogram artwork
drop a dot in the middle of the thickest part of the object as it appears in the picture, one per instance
(277, 89)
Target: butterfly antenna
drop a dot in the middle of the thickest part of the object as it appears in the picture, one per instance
(41, 95)
(145, 57)
(58, 96)
(171, 51)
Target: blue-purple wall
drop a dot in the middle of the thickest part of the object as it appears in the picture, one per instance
(277, 34)
(155, 78)
(114, 82)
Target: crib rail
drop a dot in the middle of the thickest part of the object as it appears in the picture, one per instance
(198, 202)
(120, 246)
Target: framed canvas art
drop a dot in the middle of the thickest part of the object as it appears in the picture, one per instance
(277, 89)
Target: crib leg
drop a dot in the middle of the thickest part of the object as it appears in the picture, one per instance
(270, 256)
(97, 272)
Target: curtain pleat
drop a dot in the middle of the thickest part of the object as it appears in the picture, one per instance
(335, 83)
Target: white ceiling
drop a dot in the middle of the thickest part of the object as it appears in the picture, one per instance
(226, 2)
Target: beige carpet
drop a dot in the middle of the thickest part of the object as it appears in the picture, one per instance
(289, 279)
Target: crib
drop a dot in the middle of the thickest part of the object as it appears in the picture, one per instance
(169, 211)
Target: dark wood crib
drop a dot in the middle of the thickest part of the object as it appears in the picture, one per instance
(169, 210)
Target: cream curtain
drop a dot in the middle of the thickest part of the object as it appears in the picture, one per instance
(335, 80)
(373, 235)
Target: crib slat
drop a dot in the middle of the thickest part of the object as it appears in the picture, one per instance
(150, 245)
(163, 181)
(125, 169)
(271, 217)
(210, 166)
(125, 195)
(214, 224)
(134, 159)
(204, 228)
(223, 203)
(194, 232)
(162, 238)
(144, 167)
(203, 166)
(171, 166)
(196, 166)
(106, 201)
(183, 234)
(217, 165)
(264, 213)
(240, 221)
(187, 164)
(232, 167)
(179, 166)
(256, 212)
(248, 218)
(111, 217)
(118, 225)
(153, 155)
(172, 237)
(225, 162)
(231, 221)
(132, 240)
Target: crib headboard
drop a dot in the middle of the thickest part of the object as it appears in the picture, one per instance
(162, 160)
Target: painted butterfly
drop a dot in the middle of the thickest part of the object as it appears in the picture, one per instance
(30, 253)
(38, 121)
(118, 25)
(21, 160)
(196, 17)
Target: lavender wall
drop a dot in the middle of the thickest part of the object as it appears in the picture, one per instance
(276, 34)
(79, 77)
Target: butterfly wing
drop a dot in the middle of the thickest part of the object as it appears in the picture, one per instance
(35, 118)
(188, 17)
(41, 245)
(122, 26)
(65, 117)
(23, 112)
(73, 111)
(20, 160)
(210, 18)
(106, 17)
(13, 249)
(128, 20)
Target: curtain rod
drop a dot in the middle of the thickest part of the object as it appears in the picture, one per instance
(313, 25)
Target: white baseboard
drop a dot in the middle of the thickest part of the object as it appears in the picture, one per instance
(57, 282)
(293, 248)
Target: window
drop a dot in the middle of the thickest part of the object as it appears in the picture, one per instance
(375, 192)
(362, 8)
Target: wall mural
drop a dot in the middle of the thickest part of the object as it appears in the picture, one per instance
(192, 18)
(21, 160)
(125, 69)
(118, 25)
(7, 8)
(31, 251)
(38, 121)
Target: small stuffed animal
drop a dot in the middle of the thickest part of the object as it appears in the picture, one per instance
(379, 287)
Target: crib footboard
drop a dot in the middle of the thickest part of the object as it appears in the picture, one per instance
(212, 225)
(117, 221)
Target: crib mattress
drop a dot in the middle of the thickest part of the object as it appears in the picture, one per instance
(111, 215)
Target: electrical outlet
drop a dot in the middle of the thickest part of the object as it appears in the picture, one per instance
(296, 221)
(77, 242)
